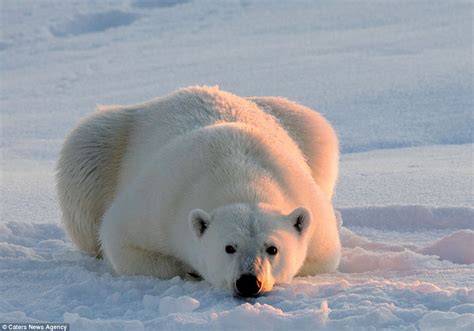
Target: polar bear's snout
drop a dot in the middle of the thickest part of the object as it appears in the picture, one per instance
(248, 285)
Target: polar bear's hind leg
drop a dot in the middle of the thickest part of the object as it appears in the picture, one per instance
(87, 173)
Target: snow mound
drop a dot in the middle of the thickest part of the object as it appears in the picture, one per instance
(248, 316)
(76, 322)
(95, 22)
(458, 247)
(409, 218)
(361, 254)
(360, 260)
(170, 305)
(447, 321)
(158, 3)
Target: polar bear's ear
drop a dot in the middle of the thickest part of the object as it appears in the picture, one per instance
(199, 221)
(301, 218)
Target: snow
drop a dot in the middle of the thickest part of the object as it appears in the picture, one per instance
(395, 79)
(170, 305)
(439, 175)
(456, 247)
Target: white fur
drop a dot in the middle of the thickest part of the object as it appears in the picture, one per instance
(137, 184)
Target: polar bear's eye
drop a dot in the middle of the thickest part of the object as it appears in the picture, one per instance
(272, 250)
(229, 249)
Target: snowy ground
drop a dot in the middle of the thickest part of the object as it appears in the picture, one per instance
(395, 79)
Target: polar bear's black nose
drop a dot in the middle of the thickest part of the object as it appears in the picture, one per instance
(248, 285)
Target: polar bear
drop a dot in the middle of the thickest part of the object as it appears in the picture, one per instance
(202, 182)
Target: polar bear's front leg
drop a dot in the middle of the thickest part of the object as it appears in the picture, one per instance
(131, 260)
(129, 257)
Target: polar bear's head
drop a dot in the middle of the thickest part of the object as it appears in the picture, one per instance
(248, 249)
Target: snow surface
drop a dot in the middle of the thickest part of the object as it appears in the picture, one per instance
(395, 79)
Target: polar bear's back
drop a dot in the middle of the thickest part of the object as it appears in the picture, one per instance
(190, 109)
(160, 121)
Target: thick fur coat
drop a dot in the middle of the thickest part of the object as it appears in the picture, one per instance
(163, 188)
